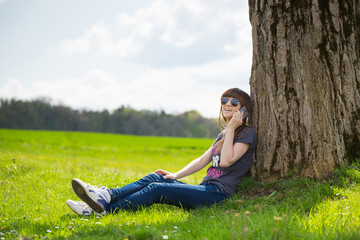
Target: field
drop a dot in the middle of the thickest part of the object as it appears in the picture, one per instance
(36, 168)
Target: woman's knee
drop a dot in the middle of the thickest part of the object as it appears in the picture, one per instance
(156, 190)
(155, 177)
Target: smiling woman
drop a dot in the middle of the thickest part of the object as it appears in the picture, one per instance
(232, 101)
(230, 157)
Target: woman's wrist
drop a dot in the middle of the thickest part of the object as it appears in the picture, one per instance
(230, 129)
(175, 175)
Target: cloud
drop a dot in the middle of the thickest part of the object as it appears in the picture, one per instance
(12, 87)
(97, 33)
(95, 90)
(171, 55)
(178, 24)
(174, 90)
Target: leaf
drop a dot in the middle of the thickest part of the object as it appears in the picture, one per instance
(272, 194)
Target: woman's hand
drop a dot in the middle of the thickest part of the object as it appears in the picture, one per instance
(236, 120)
(166, 174)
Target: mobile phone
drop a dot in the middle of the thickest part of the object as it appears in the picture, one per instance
(244, 109)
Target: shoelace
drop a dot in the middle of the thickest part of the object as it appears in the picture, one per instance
(93, 186)
(89, 185)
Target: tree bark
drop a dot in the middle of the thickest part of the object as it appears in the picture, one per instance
(305, 83)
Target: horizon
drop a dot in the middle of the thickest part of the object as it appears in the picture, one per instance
(59, 104)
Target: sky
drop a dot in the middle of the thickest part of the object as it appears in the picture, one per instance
(170, 55)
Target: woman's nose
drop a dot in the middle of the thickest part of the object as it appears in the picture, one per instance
(228, 102)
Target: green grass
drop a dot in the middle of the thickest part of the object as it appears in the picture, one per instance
(36, 168)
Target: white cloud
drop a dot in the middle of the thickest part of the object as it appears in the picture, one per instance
(13, 85)
(174, 55)
(177, 23)
(97, 33)
(69, 46)
(184, 88)
(174, 90)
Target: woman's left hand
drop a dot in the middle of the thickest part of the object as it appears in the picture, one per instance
(166, 174)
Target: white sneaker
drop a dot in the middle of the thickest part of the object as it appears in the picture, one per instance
(81, 208)
(96, 198)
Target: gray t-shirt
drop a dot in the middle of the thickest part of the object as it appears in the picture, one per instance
(228, 178)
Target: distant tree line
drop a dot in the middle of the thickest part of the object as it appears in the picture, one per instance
(40, 114)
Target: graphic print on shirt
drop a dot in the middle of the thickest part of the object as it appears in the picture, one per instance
(215, 160)
(215, 156)
(213, 171)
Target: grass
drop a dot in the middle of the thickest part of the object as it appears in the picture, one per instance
(36, 168)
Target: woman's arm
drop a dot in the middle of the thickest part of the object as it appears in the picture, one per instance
(193, 167)
(231, 152)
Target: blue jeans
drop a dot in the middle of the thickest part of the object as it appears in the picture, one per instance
(153, 188)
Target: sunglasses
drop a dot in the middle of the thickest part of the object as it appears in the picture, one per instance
(233, 101)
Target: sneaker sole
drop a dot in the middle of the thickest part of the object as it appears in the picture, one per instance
(83, 195)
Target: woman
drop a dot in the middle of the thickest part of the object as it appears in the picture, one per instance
(231, 155)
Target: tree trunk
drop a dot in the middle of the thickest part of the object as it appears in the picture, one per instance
(305, 82)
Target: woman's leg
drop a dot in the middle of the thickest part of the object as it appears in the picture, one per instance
(99, 198)
(172, 193)
(150, 189)
(119, 193)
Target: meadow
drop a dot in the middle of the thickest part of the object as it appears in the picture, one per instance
(36, 168)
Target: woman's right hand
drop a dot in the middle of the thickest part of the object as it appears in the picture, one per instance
(236, 120)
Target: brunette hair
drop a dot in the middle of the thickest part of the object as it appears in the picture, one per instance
(244, 100)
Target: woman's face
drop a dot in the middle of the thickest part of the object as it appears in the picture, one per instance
(229, 107)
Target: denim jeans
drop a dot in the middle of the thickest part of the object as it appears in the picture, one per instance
(153, 188)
